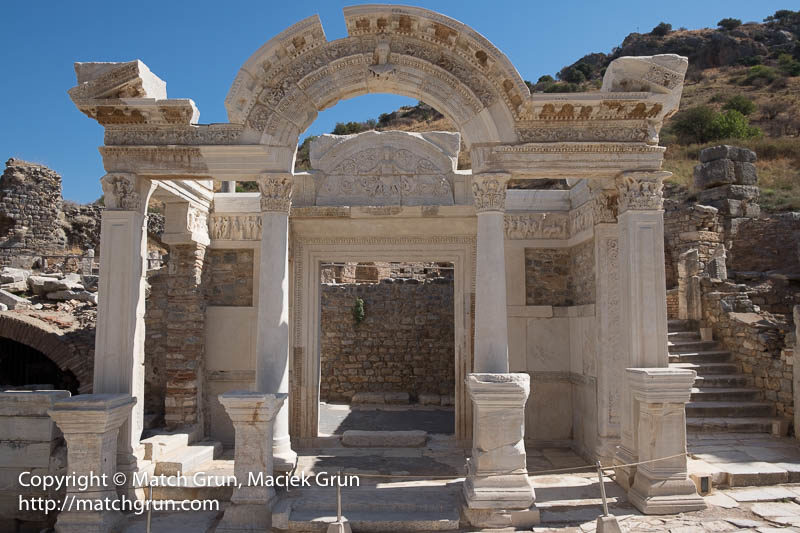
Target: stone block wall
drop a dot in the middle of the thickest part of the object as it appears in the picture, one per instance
(560, 276)
(404, 344)
(155, 343)
(767, 244)
(229, 277)
(685, 227)
(672, 303)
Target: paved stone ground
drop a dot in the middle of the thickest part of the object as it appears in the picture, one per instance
(744, 459)
(335, 419)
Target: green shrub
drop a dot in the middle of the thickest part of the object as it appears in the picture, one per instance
(547, 78)
(702, 124)
(573, 75)
(789, 65)
(732, 125)
(561, 87)
(729, 23)
(358, 311)
(662, 29)
(759, 73)
(740, 103)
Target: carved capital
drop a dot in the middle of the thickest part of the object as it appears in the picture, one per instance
(126, 191)
(276, 192)
(641, 191)
(490, 191)
(185, 223)
(605, 206)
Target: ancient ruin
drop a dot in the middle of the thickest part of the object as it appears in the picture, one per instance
(542, 312)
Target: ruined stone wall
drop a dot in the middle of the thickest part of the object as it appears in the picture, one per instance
(404, 344)
(560, 276)
(30, 209)
(767, 244)
(672, 303)
(689, 226)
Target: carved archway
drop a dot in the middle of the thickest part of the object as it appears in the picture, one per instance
(400, 50)
(53, 344)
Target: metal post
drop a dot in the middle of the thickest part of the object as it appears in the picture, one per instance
(339, 498)
(149, 510)
(602, 488)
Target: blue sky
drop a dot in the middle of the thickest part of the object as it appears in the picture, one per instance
(198, 46)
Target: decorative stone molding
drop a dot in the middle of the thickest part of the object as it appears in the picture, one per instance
(641, 191)
(605, 206)
(185, 223)
(489, 191)
(235, 227)
(276, 193)
(193, 135)
(580, 219)
(126, 191)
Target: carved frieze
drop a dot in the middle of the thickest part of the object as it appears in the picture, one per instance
(489, 191)
(235, 227)
(580, 218)
(639, 132)
(145, 135)
(604, 205)
(172, 159)
(125, 191)
(641, 190)
(537, 226)
(276, 193)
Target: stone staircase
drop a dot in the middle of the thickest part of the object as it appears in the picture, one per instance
(723, 398)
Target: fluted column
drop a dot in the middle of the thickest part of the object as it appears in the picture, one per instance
(642, 286)
(272, 344)
(119, 340)
(491, 320)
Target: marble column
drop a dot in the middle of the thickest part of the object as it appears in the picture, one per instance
(497, 489)
(119, 339)
(253, 415)
(607, 316)
(491, 314)
(90, 424)
(272, 344)
(642, 287)
(659, 396)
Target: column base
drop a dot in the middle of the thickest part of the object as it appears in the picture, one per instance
(624, 475)
(501, 518)
(284, 461)
(605, 449)
(664, 496)
(130, 464)
(89, 522)
(246, 517)
(501, 491)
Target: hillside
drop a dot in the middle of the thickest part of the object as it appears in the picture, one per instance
(748, 68)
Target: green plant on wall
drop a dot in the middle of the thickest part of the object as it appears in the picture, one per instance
(358, 311)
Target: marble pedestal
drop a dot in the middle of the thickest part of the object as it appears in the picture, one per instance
(659, 397)
(90, 424)
(497, 490)
(253, 416)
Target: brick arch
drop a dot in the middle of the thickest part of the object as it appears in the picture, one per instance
(392, 49)
(54, 344)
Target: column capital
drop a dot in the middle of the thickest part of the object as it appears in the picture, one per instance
(276, 192)
(641, 190)
(605, 206)
(185, 223)
(489, 191)
(126, 191)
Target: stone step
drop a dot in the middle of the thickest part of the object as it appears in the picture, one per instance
(726, 394)
(187, 458)
(704, 369)
(356, 438)
(683, 336)
(678, 325)
(680, 346)
(773, 425)
(700, 357)
(715, 409)
(212, 480)
(160, 445)
(377, 521)
(723, 381)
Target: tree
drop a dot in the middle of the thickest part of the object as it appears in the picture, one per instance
(732, 125)
(573, 75)
(789, 65)
(545, 79)
(740, 103)
(729, 23)
(702, 124)
(662, 29)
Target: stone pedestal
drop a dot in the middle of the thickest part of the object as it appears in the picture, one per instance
(253, 415)
(659, 397)
(497, 490)
(491, 314)
(90, 424)
(272, 344)
(119, 342)
(643, 308)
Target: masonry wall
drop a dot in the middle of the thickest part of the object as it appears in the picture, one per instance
(560, 276)
(404, 344)
(767, 244)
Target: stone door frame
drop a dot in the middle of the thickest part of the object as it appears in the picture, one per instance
(307, 257)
